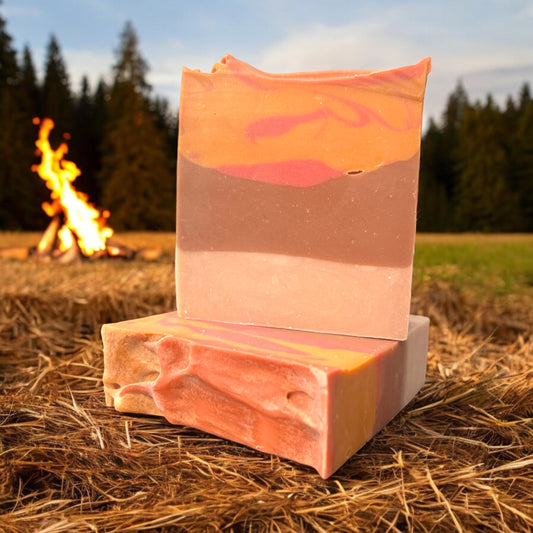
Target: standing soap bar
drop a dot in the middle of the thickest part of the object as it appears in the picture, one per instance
(297, 193)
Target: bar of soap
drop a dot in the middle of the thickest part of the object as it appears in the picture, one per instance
(297, 193)
(313, 398)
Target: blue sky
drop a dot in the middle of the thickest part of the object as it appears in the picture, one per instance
(488, 44)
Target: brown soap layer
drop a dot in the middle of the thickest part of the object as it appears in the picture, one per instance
(365, 219)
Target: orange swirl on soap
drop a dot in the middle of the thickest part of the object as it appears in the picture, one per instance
(300, 129)
(302, 346)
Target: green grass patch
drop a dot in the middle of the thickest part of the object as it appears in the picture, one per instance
(497, 264)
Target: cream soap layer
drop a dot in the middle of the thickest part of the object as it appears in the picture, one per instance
(293, 292)
(310, 397)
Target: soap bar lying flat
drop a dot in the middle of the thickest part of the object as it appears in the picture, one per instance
(311, 397)
(296, 202)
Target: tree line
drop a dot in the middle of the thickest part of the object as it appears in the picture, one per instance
(476, 171)
(476, 168)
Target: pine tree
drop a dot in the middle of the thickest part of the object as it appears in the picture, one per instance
(433, 208)
(433, 205)
(8, 79)
(522, 144)
(28, 101)
(137, 177)
(511, 113)
(99, 121)
(84, 141)
(452, 120)
(20, 189)
(29, 91)
(57, 97)
(167, 122)
(524, 97)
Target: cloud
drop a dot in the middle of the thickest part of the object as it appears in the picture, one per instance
(166, 60)
(93, 63)
(355, 45)
(503, 82)
(22, 11)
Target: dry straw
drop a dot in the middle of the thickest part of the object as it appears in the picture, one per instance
(459, 458)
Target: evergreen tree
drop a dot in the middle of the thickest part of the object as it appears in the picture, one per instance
(167, 122)
(522, 144)
(131, 68)
(28, 101)
(511, 113)
(433, 205)
(20, 189)
(485, 201)
(138, 181)
(57, 97)
(99, 121)
(452, 119)
(8, 65)
(83, 145)
(8, 79)
(524, 97)
(29, 91)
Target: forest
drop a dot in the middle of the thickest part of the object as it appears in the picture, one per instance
(476, 170)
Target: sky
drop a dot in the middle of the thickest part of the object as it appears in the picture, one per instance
(487, 45)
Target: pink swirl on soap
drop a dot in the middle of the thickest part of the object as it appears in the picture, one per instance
(298, 172)
(366, 115)
(279, 125)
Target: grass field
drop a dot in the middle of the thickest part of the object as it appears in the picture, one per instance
(458, 458)
(497, 264)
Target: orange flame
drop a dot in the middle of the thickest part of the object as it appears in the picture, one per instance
(83, 221)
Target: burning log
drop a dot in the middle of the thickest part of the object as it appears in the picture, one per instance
(70, 255)
(49, 238)
(116, 249)
(41, 253)
(48, 250)
(19, 252)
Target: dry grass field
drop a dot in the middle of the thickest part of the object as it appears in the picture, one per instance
(458, 458)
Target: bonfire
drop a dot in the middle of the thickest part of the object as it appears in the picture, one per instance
(84, 226)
